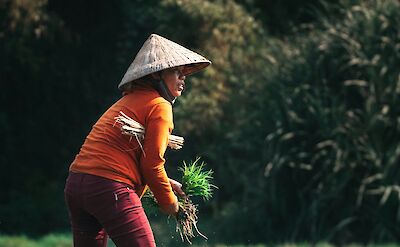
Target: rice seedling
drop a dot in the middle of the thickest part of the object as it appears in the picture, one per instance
(196, 182)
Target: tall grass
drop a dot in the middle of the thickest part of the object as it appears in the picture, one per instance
(309, 142)
(335, 147)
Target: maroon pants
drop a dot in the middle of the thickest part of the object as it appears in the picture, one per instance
(98, 206)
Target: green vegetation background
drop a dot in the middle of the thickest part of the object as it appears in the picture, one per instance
(298, 115)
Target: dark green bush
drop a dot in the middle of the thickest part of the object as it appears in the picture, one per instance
(319, 140)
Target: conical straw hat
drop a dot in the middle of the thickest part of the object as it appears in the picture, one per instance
(158, 53)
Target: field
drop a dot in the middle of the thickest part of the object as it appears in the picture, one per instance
(65, 240)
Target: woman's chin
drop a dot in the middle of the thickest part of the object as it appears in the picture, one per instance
(177, 93)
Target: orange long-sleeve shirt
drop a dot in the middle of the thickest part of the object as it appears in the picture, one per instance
(108, 153)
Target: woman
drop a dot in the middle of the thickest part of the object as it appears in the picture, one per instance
(111, 171)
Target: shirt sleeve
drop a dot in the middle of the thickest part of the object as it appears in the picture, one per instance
(159, 125)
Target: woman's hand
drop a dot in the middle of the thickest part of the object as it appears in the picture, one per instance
(170, 209)
(173, 208)
(177, 188)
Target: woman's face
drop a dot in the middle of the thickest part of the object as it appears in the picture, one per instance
(175, 80)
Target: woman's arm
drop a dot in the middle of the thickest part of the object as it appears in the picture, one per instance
(158, 127)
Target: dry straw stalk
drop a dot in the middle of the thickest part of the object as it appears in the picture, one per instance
(132, 128)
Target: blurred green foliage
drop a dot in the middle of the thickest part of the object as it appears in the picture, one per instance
(297, 116)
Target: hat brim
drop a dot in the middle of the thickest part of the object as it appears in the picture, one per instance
(190, 69)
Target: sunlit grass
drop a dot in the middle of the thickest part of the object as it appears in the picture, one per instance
(65, 240)
(51, 240)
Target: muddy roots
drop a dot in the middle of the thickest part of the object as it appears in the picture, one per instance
(187, 220)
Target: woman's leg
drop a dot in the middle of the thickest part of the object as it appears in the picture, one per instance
(87, 231)
(127, 224)
(118, 209)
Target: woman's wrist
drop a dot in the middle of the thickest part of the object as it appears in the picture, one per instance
(177, 187)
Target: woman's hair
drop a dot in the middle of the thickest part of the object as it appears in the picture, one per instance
(149, 81)
(142, 82)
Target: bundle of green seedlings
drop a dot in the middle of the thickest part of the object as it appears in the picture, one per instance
(196, 182)
(134, 129)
